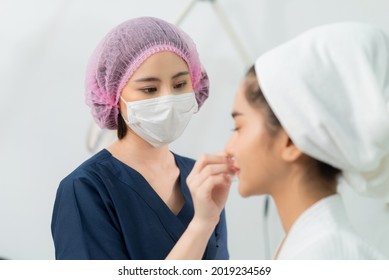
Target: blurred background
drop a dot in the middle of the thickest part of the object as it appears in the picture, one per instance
(47, 130)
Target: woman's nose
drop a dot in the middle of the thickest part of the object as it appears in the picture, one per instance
(229, 147)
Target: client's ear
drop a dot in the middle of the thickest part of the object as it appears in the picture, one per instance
(289, 152)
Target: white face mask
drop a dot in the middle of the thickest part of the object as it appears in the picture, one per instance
(161, 120)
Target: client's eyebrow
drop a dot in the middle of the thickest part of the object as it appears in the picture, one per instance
(236, 114)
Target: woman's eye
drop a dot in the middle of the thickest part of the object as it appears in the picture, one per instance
(235, 129)
(149, 90)
(180, 85)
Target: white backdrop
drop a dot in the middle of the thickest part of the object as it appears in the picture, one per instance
(44, 46)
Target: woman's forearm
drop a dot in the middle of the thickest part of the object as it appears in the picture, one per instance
(192, 244)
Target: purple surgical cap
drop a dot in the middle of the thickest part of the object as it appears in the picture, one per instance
(123, 50)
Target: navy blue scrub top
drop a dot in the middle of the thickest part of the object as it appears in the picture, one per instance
(106, 210)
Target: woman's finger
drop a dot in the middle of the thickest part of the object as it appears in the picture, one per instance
(207, 159)
(208, 171)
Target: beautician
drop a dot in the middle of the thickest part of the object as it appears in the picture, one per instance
(132, 200)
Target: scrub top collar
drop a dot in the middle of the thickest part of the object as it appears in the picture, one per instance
(175, 225)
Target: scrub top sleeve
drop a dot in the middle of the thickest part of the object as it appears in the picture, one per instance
(84, 226)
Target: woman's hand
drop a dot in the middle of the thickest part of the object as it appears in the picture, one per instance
(209, 183)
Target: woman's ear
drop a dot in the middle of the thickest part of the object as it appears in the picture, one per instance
(289, 151)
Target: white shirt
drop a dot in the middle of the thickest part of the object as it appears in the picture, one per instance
(323, 232)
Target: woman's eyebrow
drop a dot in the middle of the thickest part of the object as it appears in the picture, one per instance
(236, 114)
(147, 79)
(154, 79)
(182, 73)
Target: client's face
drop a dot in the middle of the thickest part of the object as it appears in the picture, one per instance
(253, 148)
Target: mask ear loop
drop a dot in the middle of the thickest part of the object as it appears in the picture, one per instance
(121, 114)
(121, 97)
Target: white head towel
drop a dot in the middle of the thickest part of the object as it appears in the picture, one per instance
(329, 87)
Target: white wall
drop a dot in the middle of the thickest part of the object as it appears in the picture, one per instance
(44, 122)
